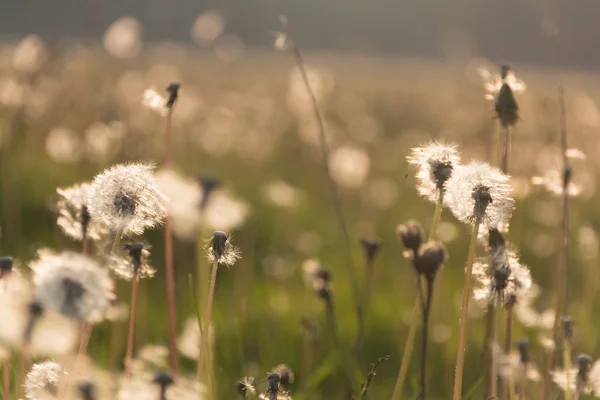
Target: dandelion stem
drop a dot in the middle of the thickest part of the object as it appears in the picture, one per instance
(561, 279)
(412, 330)
(6, 377)
(117, 242)
(508, 323)
(204, 347)
(169, 270)
(462, 332)
(130, 333)
(424, 335)
(505, 149)
(347, 371)
(567, 366)
(335, 196)
(490, 318)
(437, 215)
(523, 386)
(494, 360)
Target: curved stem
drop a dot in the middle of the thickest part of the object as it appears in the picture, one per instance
(462, 331)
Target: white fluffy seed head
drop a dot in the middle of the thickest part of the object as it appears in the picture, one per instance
(43, 381)
(221, 250)
(518, 280)
(122, 266)
(478, 191)
(72, 285)
(73, 211)
(434, 164)
(126, 198)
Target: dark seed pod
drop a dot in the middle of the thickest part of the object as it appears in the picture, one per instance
(523, 347)
(567, 323)
(411, 235)
(430, 257)
(173, 90)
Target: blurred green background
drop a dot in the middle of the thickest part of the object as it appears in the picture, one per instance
(68, 111)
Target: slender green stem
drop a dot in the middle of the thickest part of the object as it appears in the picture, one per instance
(567, 366)
(424, 335)
(412, 330)
(490, 318)
(494, 359)
(204, 334)
(508, 323)
(462, 331)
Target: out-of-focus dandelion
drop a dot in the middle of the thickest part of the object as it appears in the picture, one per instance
(349, 166)
(493, 83)
(479, 193)
(126, 198)
(434, 164)
(44, 380)
(553, 182)
(72, 285)
(286, 376)
(155, 101)
(136, 262)
(164, 380)
(575, 379)
(123, 38)
(188, 342)
(73, 214)
(282, 194)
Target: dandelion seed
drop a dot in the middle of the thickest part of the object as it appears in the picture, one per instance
(72, 285)
(512, 280)
(73, 214)
(154, 101)
(221, 250)
(246, 387)
(479, 192)
(434, 163)
(43, 381)
(126, 199)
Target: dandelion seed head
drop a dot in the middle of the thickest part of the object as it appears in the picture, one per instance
(434, 164)
(221, 250)
(512, 280)
(552, 181)
(411, 235)
(565, 378)
(185, 197)
(73, 213)
(43, 381)
(286, 375)
(512, 369)
(188, 342)
(126, 198)
(72, 285)
(134, 258)
(156, 102)
(493, 83)
(479, 192)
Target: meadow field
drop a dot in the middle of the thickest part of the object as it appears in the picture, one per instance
(69, 111)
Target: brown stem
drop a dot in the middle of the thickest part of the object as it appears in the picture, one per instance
(85, 246)
(6, 378)
(505, 149)
(130, 333)
(169, 269)
(523, 386)
(508, 323)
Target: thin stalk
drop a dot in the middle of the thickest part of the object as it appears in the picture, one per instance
(6, 378)
(505, 156)
(131, 329)
(335, 196)
(85, 246)
(494, 364)
(424, 336)
(203, 270)
(347, 371)
(523, 386)
(462, 331)
(117, 242)
(412, 330)
(370, 268)
(567, 366)
(206, 325)
(490, 318)
(169, 269)
(561, 279)
(508, 323)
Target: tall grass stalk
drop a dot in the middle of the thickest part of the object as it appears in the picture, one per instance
(169, 270)
(561, 279)
(462, 331)
(204, 333)
(508, 323)
(131, 329)
(335, 196)
(412, 330)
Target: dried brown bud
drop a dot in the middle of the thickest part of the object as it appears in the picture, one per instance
(411, 235)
